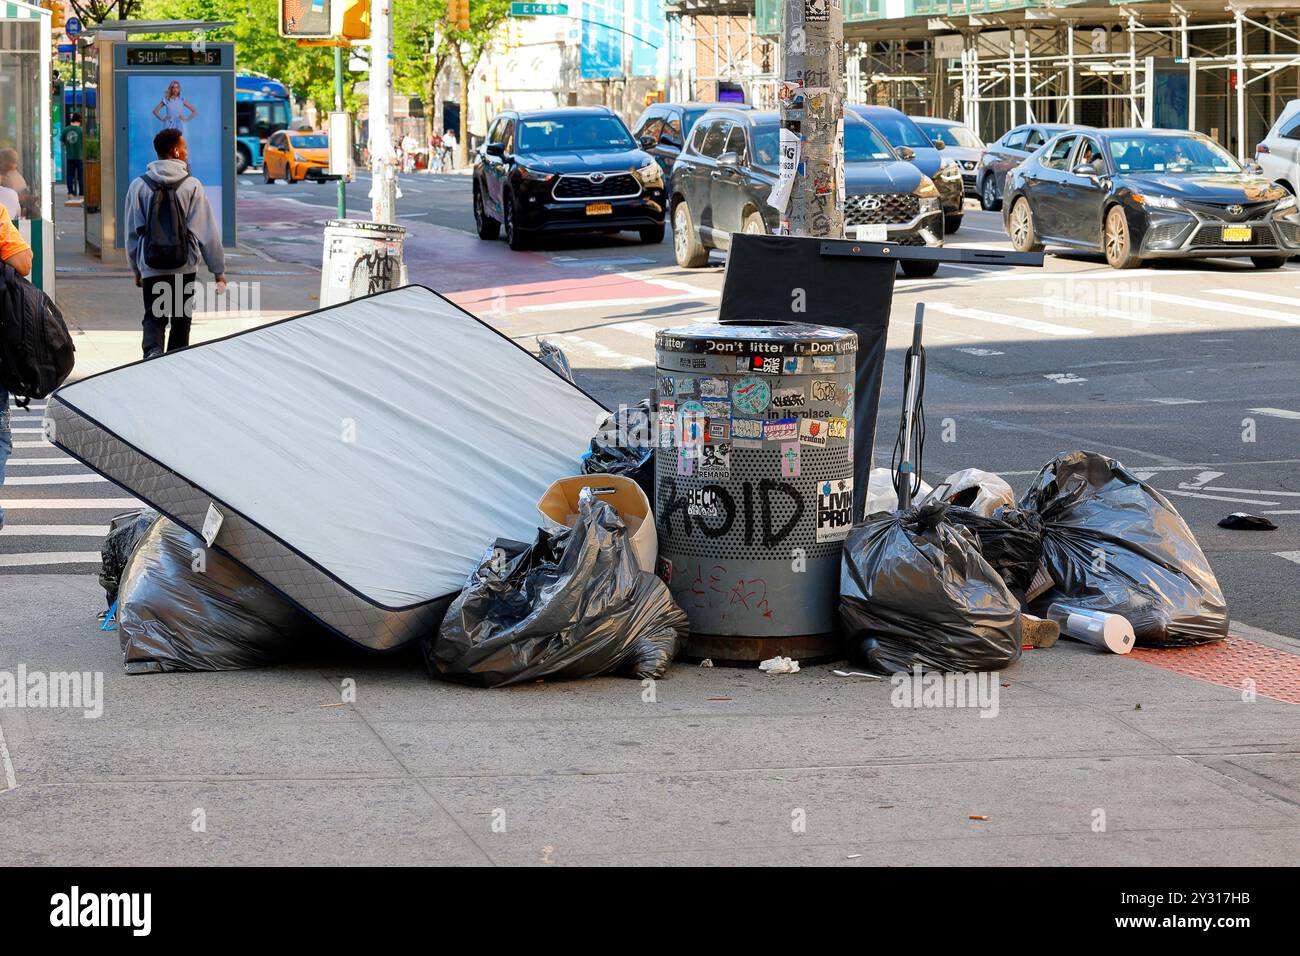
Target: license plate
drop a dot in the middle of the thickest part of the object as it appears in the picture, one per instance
(1236, 233)
(599, 209)
(875, 233)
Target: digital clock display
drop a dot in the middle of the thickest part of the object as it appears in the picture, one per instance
(172, 56)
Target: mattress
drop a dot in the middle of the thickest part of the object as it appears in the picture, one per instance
(359, 458)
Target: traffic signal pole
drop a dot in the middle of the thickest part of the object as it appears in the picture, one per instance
(383, 169)
(811, 98)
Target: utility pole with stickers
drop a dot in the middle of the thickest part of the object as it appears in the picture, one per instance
(809, 193)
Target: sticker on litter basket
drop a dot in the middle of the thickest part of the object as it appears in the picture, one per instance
(751, 395)
(834, 509)
(837, 427)
(783, 429)
(747, 432)
(713, 388)
(666, 387)
(690, 423)
(684, 386)
(664, 568)
(715, 461)
(704, 503)
(715, 409)
(787, 399)
(716, 430)
(823, 364)
(792, 365)
(824, 391)
(667, 424)
(767, 365)
(812, 431)
(790, 459)
(685, 463)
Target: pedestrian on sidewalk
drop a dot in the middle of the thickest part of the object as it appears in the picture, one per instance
(73, 137)
(169, 222)
(17, 254)
(449, 149)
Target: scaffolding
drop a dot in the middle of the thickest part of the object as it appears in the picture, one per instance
(718, 45)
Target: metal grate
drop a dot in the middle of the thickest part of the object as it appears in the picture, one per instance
(1220, 210)
(613, 186)
(888, 208)
(1166, 232)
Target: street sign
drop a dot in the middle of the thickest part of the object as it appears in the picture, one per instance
(72, 27)
(67, 48)
(539, 9)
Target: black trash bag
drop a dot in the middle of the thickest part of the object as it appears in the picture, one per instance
(172, 617)
(124, 532)
(1113, 543)
(915, 590)
(572, 604)
(1011, 540)
(624, 445)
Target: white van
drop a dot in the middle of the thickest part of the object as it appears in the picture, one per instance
(1279, 152)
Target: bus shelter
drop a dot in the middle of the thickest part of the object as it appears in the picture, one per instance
(25, 130)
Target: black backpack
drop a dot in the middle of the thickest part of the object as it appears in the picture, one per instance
(167, 230)
(36, 350)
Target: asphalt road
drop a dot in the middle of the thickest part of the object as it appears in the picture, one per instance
(1188, 372)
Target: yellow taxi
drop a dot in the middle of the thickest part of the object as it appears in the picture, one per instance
(296, 155)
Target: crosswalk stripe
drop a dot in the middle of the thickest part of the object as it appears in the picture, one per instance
(49, 557)
(600, 351)
(1107, 313)
(644, 329)
(1276, 412)
(997, 318)
(88, 504)
(55, 530)
(1211, 306)
(1255, 296)
(53, 479)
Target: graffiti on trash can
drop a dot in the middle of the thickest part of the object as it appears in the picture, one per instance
(376, 271)
(714, 588)
(674, 504)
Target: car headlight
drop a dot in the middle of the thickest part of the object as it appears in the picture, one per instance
(537, 175)
(950, 170)
(1287, 202)
(300, 157)
(1156, 202)
(926, 189)
(650, 174)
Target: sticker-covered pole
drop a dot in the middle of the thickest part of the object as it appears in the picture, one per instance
(383, 167)
(809, 192)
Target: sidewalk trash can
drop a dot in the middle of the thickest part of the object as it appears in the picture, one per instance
(360, 257)
(754, 484)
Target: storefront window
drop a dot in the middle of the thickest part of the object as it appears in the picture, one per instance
(20, 112)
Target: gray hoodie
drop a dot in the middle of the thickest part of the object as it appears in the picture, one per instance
(203, 225)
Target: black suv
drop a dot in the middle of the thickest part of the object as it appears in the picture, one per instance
(665, 128)
(565, 170)
(723, 178)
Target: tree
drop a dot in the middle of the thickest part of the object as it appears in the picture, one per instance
(421, 48)
(467, 49)
(97, 11)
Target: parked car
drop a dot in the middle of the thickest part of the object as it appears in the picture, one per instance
(296, 155)
(576, 169)
(723, 178)
(1134, 194)
(1278, 154)
(663, 128)
(960, 144)
(1005, 154)
(915, 147)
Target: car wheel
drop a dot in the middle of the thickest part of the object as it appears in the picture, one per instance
(1116, 242)
(754, 225)
(1023, 236)
(951, 224)
(1268, 262)
(652, 235)
(241, 161)
(989, 200)
(690, 252)
(266, 171)
(918, 269)
(488, 228)
(515, 237)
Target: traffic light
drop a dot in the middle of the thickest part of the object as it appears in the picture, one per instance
(58, 15)
(458, 14)
(350, 19)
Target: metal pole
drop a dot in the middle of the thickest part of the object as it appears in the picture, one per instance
(1241, 90)
(383, 171)
(342, 186)
(1069, 103)
(811, 98)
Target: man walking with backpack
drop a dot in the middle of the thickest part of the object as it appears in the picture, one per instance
(169, 225)
(15, 253)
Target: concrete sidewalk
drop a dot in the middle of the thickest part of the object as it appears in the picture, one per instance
(1090, 759)
(103, 307)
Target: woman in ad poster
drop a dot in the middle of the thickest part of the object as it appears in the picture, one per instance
(170, 109)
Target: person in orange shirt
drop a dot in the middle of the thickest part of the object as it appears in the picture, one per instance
(17, 254)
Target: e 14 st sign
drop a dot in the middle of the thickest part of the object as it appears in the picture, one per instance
(539, 9)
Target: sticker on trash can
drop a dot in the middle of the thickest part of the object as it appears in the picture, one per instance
(767, 365)
(715, 409)
(791, 365)
(684, 386)
(667, 424)
(787, 399)
(790, 459)
(824, 365)
(837, 427)
(812, 432)
(667, 386)
(824, 391)
(834, 509)
(783, 429)
(713, 388)
(747, 432)
(690, 423)
(704, 503)
(751, 395)
(716, 430)
(715, 461)
(685, 463)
